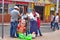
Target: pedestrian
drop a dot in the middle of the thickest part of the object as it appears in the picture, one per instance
(25, 16)
(38, 23)
(33, 23)
(52, 20)
(56, 21)
(14, 21)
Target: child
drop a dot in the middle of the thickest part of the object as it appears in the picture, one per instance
(38, 23)
(21, 27)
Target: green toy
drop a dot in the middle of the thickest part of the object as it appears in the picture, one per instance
(23, 37)
(29, 37)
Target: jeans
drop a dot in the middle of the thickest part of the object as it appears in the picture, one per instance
(27, 28)
(38, 31)
(27, 32)
(13, 28)
(52, 24)
(56, 25)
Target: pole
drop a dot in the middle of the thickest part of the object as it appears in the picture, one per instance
(57, 7)
(2, 19)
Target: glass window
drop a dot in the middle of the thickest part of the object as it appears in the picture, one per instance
(5, 8)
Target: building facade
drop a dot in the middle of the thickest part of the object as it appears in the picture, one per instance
(43, 7)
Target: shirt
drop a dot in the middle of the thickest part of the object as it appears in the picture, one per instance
(31, 16)
(25, 16)
(57, 18)
(14, 15)
(52, 17)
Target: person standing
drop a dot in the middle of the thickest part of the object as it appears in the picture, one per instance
(25, 16)
(56, 21)
(38, 23)
(52, 20)
(14, 21)
(33, 23)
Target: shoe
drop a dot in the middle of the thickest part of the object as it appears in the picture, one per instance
(40, 34)
(33, 37)
(14, 37)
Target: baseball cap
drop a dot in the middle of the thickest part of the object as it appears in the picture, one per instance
(16, 7)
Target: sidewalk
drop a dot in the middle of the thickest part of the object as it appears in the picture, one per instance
(41, 23)
(46, 36)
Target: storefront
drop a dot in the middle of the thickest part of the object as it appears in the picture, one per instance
(11, 4)
(39, 7)
(49, 9)
(45, 10)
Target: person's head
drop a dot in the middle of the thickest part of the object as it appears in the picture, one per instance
(33, 10)
(23, 23)
(16, 7)
(57, 13)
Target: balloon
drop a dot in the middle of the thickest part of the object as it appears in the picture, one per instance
(28, 37)
(21, 36)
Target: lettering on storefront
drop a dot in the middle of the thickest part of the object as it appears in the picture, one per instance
(39, 4)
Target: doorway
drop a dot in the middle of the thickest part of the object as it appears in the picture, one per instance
(40, 10)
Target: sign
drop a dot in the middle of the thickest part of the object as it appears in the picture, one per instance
(23, 0)
(39, 4)
(52, 8)
(6, 1)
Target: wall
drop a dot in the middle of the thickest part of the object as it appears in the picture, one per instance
(6, 18)
(47, 12)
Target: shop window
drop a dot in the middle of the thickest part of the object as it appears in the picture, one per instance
(5, 8)
(40, 10)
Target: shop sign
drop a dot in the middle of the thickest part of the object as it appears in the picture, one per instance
(52, 8)
(39, 4)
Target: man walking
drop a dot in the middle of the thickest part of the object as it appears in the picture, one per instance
(14, 21)
(56, 21)
(52, 20)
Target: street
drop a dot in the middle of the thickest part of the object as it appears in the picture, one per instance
(45, 29)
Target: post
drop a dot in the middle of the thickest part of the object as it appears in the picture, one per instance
(2, 18)
(57, 7)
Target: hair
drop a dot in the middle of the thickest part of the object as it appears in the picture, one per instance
(57, 13)
(33, 9)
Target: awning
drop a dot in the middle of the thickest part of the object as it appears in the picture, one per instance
(22, 3)
(6, 2)
(15, 2)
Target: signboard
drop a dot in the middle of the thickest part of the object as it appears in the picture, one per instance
(52, 9)
(24, 0)
(39, 4)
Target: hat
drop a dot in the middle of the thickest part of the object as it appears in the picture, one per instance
(16, 7)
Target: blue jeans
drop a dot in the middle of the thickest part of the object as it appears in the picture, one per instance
(56, 25)
(13, 28)
(51, 24)
(27, 32)
(38, 31)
